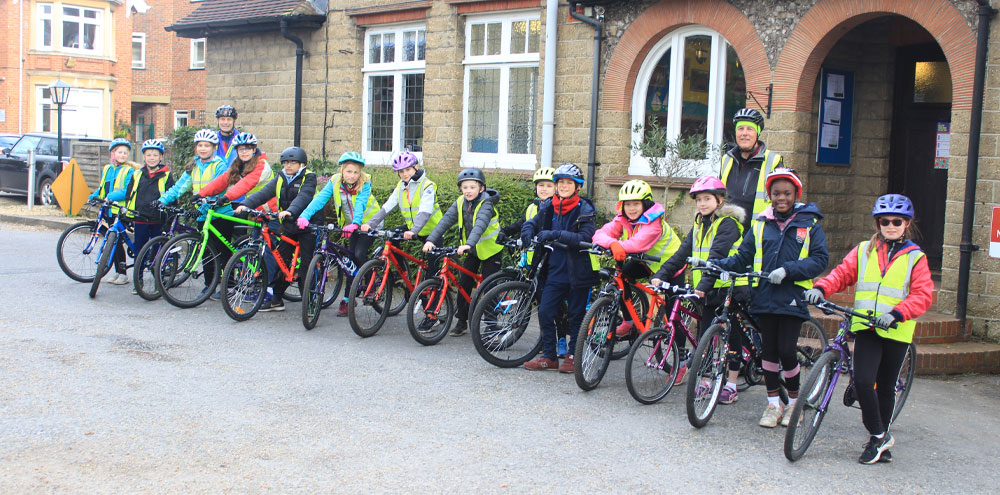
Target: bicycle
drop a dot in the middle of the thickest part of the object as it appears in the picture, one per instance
(117, 229)
(331, 260)
(79, 246)
(505, 274)
(818, 389)
(373, 288)
(143, 276)
(434, 294)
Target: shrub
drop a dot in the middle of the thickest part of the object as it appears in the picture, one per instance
(180, 148)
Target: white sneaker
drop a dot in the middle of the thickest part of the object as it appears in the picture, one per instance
(787, 418)
(772, 415)
(120, 279)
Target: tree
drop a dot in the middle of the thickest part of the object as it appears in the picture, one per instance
(671, 160)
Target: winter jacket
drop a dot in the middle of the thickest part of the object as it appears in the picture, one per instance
(147, 190)
(474, 226)
(296, 193)
(514, 229)
(426, 208)
(781, 246)
(255, 179)
(575, 227)
(225, 150)
(641, 236)
(744, 177)
(114, 177)
(326, 195)
(727, 235)
(186, 182)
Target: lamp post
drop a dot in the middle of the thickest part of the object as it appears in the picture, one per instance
(59, 92)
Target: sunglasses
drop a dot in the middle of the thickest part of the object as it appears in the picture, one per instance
(895, 222)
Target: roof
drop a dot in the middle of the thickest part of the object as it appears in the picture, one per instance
(216, 17)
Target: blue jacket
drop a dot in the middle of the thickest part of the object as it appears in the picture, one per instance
(781, 249)
(575, 227)
(325, 195)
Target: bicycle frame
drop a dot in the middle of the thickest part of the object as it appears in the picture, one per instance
(389, 253)
(119, 227)
(207, 229)
(450, 280)
(287, 269)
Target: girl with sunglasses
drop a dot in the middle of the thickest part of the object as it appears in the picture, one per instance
(890, 277)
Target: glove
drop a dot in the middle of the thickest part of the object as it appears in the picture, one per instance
(348, 230)
(155, 204)
(302, 223)
(219, 203)
(777, 276)
(196, 199)
(618, 251)
(695, 261)
(813, 296)
(886, 320)
(525, 240)
(547, 236)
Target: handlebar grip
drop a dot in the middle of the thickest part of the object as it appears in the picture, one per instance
(649, 257)
(586, 245)
(559, 245)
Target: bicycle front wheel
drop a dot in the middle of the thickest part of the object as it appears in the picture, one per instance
(320, 287)
(429, 312)
(808, 412)
(244, 283)
(905, 381)
(490, 282)
(503, 331)
(104, 261)
(595, 342)
(183, 278)
(143, 278)
(707, 376)
(368, 305)
(812, 342)
(651, 366)
(77, 251)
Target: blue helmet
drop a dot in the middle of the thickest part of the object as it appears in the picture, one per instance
(893, 204)
(352, 156)
(153, 144)
(119, 142)
(245, 138)
(568, 171)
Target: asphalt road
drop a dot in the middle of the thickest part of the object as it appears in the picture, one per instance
(120, 395)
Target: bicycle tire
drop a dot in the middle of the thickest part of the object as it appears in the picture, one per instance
(175, 256)
(709, 361)
(752, 371)
(67, 249)
(429, 293)
(906, 374)
(495, 279)
(651, 377)
(319, 273)
(143, 278)
(104, 262)
(595, 343)
(244, 280)
(377, 303)
(811, 344)
(798, 437)
(502, 329)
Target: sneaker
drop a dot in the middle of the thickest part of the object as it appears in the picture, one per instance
(562, 349)
(624, 329)
(343, 309)
(772, 415)
(275, 304)
(135, 292)
(787, 419)
(567, 365)
(427, 324)
(120, 279)
(728, 396)
(875, 448)
(218, 296)
(681, 374)
(461, 328)
(542, 364)
(886, 457)
(701, 390)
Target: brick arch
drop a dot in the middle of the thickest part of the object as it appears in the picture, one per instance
(666, 16)
(824, 25)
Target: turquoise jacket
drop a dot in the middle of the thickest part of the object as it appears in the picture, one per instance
(183, 184)
(326, 195)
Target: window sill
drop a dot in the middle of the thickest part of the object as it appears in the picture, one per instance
(492, 161)
(77, 54)
(654, 181)
(196, 68)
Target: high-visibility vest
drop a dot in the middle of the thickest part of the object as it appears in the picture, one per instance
(265, 177)
(200, 177)
(530, 213)
(410, 207)
(771, 161)
(119, 181)
(487, 245)
(701, 247)
(881, 293)
(758, 255)
(665, 247)
(371, 208)
(133, 191)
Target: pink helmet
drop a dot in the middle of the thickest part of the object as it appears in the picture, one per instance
(709, 184)
(404, 160)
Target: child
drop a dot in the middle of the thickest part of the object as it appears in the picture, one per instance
(891, 277)
(354, 188)
(716, 233)
(639, 227)
(226, 117)
(116, 175)
(479, 224)
(569, 219)
(787, 241)
(292, 189)
(415, 195)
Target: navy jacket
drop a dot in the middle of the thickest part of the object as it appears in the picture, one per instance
(781, 250)
(575, 227)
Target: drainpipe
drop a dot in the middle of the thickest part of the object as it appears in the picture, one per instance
(966, 247)
(549, 85)
(299, 53)
(598, 26)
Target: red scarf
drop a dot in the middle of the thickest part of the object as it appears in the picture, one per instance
(563, 206)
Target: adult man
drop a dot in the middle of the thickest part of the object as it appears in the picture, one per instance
(226, 116)
(741, 166)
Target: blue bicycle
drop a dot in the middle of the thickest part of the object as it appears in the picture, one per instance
(115, 231)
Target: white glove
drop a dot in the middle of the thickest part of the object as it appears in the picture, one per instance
(886, 320)
(695, 261)
(777, 276)
(813, 296)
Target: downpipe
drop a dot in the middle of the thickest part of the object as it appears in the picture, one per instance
(598, 26)
(299, 54)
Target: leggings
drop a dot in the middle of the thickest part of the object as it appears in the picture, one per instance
(877, 362)
(486, 267)
(780, 335)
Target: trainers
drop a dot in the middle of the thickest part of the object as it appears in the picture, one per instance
(681, 374)
(542, 364)
(343, 309)
(728, 396)
(461, 328)
(624, 329)
(562, 349)
(218, 296)
(772, 415)
(275, 304)
(886, 457)
(787, 418)
(567, 365)
(120, 279)
(701, 390)
(875, 447)
(426, 324)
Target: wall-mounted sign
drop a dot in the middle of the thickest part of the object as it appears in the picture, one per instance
(835, 117)
(942, 149)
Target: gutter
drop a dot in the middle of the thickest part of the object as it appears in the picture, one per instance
(299, 54)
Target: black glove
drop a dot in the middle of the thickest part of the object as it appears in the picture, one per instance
(222, 201)
(196, 199)
(547, 236)
(525, 240)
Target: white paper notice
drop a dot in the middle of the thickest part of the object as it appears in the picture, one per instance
(834, 85)
(830, 136)
(831, 111)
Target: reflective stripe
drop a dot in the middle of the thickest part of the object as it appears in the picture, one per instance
(665, 246)
(410, 208)
(530, 213)
(701, 248)
(201, 177)
(135, 187)
(371, 207)
(758, 256)
(771, 161)
(117, 183)
(486, 246)
(882, 293)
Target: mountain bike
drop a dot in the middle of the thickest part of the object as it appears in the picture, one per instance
(505, 274)
(331, 267)
(424, 309)
(80, 244)
(376, 284)
(143, 276)
(109, 245)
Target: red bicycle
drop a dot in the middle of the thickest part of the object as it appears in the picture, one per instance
(431, 308)
(245, 278)
(379, 281)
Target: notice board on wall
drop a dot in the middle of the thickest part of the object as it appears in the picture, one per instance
(836, 108)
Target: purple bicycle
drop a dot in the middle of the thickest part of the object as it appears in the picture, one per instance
(330, 268)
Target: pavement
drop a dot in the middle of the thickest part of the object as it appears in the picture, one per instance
(120, 395)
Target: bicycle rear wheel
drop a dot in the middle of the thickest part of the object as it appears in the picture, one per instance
(812, 342)
(143, 278)
(707, 376)
(495, 279)
(399, 291)
(104, 261)
(368, 305)
(595, 342)
(244, 283)
(503, 331)
(651, 366)
(181, 278)
(808, 412)
(905, 381)
(429, 312)
(78, 249)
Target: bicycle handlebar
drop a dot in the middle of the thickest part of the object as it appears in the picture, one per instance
(602, 251)
(727, 274)
(830, 307)
(111, 204)
(331, 228)
(447, 251)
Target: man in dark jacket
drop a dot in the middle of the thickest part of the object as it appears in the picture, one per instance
(745, 166)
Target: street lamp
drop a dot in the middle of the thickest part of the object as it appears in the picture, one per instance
(60, 95)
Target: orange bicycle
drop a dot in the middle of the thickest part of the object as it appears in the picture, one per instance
(379, 281)
(431, 308)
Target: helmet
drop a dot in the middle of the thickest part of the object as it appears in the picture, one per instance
(568, 171)
(749, 115)
(787, 174)
(119, 142)
(635, 190)
(893, 204)
(472, 174)
(352, 156)
(293, 154)
(206, 135)
(225, 111)
(404, 160)
(245, 138)
(709, 184)
(544, 173)
(153, 144)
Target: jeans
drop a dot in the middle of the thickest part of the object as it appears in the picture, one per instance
(553, 294)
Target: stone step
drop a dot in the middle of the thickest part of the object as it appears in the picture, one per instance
(957, 358)
(932, 327)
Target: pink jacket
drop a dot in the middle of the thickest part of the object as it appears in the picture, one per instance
(649, 227)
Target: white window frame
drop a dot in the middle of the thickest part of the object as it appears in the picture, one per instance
(503, 61)
(98, 22)
(639, 165)
(141, 39)
(42, 17)
(181, 114)
(398, 68)
(195, 63)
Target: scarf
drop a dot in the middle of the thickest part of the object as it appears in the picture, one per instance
(564, 206)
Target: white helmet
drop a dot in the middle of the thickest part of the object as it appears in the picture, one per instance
(206, 135)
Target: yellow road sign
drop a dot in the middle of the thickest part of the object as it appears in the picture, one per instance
(70, 189)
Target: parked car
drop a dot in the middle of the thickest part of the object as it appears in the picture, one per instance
(7, 141)
(14, 164)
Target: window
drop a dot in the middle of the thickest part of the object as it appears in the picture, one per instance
(690, 84)
(83, 114)
(49, 146)
(394, 91)
(138, 50)
(501, 91)
(81, 28)
(26, 144)
(180, 118)
(45, 26)
(198, 53)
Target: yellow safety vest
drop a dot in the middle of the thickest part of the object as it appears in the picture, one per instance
(409, 208)
(530, 213)
(771, 161)
(135, 186)
(118, 182)
(281, 183)
(701, 247)
(758, 255)
(265, 177)
(487, 245)
(881, 293)
(371, 208)
(665, 247)
(200, 177)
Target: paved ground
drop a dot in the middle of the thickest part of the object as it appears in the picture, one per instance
(119, 395)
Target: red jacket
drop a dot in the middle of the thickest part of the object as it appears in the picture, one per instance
(239, 189)
(921, 286)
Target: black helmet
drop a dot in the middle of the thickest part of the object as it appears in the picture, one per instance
(225, 111)
(568, 171)
(749, 115)
(294, 154)
(472, 174)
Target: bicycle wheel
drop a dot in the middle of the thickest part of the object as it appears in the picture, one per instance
(808, 413)
(495, 279)
(651, 366)
(427, 315)
(503, 331)
(143, 278)
(104, 262)
(905, 381)
(707, 376)
(323, 283)
(752, 369)
(77, 251)
(812, 342)
(368, 305)
(181, 278)
(244, 283)
(595, 342)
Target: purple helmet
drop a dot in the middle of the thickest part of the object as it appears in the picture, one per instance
(893, 204)
(404, 160)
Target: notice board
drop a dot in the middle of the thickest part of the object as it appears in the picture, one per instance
(836, 108)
